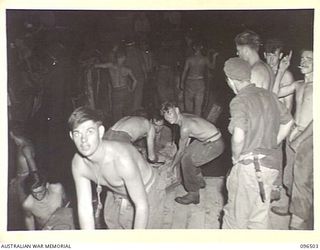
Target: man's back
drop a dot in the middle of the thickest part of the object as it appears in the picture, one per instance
(259, 113)
(136, 126)
(262, 75)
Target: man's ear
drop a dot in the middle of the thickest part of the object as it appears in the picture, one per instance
(71, 135)
(101, 131)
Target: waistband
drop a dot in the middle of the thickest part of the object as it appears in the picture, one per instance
(120, 88)
(195, 78)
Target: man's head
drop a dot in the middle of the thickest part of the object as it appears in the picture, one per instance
(306, 61)
(86, 130)
(157, 121)
(273, 52)
(247, 43)
(238, 73)
(170, 112)
(37, 186)
(121, 56)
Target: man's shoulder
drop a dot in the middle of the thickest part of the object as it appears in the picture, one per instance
(28, 203)
(261, 66)
(56, 187)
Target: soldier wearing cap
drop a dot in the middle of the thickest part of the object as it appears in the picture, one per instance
(259, 122)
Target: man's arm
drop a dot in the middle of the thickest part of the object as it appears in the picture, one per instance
(129, 172)
(184, 73)
(134, 80)
(308, 131)
(282, 71)
(28, 216)
(237, 143)
(150, 142)
(28, 153)
(103, 65)
(284, 131)
(84, 196)
(183, 142)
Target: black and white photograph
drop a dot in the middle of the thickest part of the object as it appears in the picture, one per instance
(160, 119)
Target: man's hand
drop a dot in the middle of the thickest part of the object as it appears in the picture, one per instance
(285, 62)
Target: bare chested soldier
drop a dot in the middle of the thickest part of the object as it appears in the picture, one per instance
(136, 192)
(206, 146)
(248, 43)
(123, 85)
(43, 201)
(273, 54)
(132, 129)
(299, 181)
(193, 79)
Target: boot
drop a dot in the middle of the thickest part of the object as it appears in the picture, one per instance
(282, 211)
(191, 197)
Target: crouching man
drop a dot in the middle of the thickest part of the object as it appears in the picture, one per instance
(207, 145)
(259, 122)
(135, 190)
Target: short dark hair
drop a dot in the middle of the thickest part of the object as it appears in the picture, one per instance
(83, 114)
(166, 106)
(34, 180)
(249, 38)
(273, 44)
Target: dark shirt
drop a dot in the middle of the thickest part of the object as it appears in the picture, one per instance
(259, 113)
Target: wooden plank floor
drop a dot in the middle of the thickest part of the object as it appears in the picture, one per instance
(204, 215)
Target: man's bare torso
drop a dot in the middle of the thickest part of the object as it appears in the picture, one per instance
(304, 101)
(119, 76)
(197, 67)
(137, 127)
(117, 156)
(42, 210)
(199, 128)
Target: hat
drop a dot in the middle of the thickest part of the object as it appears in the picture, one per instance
(238, 69)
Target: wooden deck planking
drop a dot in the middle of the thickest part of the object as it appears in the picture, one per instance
(201, 216)
(214, 202)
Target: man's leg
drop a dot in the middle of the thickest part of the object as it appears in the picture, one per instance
(245, 208)
(188, 98)
(198, 100)
(196, 155)
(301, 205)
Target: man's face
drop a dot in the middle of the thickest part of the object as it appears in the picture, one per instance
(158, 125)
(87, 137)
(39, 193)
(242, 51)
(121, 59)
(171, 115)
(306, 62)
(273, 58)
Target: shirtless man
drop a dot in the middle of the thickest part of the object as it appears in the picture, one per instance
(193, 79)
(123, 85)
(131, 129)
(273, 54)
(43, 201)
(248, 43)
(206, 146)
(299, 181)
(136, 192)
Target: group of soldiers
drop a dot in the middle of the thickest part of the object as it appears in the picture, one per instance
(261, 126)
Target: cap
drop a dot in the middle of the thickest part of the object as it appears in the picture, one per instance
(237, 68)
